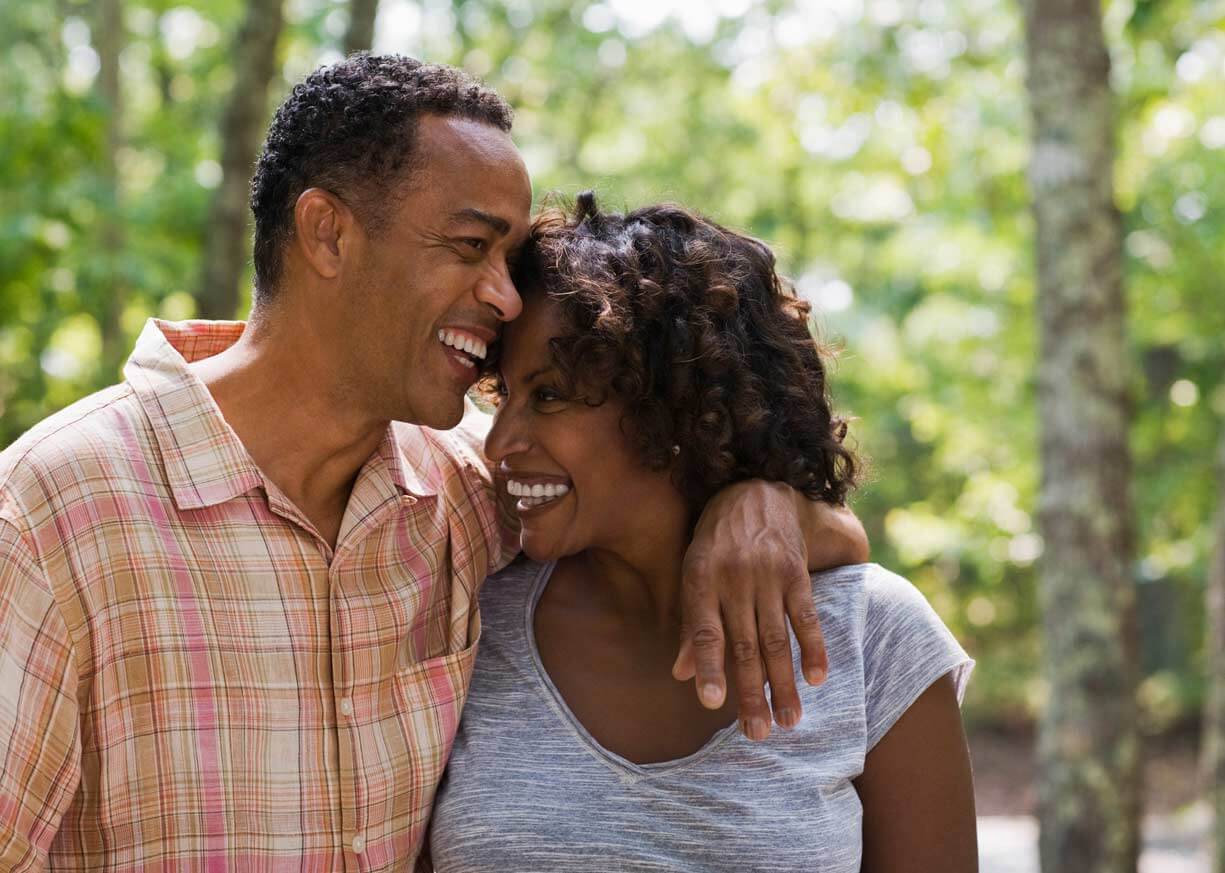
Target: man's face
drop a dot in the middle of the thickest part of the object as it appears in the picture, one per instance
(432, 288)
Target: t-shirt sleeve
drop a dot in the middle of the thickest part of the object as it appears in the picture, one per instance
(471, 433)
(906, 648)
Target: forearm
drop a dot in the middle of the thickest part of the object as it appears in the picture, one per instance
(833, 535)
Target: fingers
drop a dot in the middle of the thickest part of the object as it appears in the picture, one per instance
(684, 668)
(701, 652)
(747, 674)
(806, 624)
(775, 644)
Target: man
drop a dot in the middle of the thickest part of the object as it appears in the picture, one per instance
(237, 591)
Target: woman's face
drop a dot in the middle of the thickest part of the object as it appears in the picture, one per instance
(579, 483)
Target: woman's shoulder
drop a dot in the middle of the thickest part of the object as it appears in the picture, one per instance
(878, 613)
(869, 589)
(901, 642)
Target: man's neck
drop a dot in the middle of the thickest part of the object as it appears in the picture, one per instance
(293, 418)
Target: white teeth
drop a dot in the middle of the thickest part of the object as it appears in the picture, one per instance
(464, 343)
(534, 495)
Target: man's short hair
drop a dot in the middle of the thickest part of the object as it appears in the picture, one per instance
(350, 128)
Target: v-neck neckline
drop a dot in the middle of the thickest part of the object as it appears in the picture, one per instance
(571, 721)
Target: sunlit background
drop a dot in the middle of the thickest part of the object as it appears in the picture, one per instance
(879, 146)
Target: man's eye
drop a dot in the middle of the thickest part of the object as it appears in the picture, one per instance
(474, 243)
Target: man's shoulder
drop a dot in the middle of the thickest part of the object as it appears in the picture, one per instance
(439, 455)
(82, 440)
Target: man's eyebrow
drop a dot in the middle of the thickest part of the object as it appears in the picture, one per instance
(501, 225)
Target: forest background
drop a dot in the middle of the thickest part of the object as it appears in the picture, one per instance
(880, 146)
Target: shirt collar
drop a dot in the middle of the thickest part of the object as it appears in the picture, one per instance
(206, 464)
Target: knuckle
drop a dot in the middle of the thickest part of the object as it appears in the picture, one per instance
(751, 702)
(744, 652)
(696, 561)
(791, 565)
(806, 617)
(775, 645)
(707, 636)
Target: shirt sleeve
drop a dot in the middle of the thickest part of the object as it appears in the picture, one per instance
(40, 743)
(906, 648)
(471, 433)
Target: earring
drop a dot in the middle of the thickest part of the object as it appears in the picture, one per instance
(676, 450)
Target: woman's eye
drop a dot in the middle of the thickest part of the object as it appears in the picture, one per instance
(547, 399)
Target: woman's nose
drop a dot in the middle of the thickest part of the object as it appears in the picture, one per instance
(507, 436)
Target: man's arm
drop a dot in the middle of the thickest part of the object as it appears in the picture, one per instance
(40, 767)
(833, 535)
(918, 793)
(746, 574)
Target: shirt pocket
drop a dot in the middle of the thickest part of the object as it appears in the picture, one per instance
(429, 697)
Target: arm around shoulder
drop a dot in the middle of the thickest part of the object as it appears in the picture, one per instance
(39, 720)
(833, 534)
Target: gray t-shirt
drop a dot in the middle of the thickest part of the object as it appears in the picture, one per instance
(528, 788)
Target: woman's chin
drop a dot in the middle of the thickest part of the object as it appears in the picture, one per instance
(541, 549)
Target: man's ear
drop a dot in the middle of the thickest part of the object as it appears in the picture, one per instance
(324, 229)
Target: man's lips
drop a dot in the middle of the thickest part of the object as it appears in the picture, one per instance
(465, 340)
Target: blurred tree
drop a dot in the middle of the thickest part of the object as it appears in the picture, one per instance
(1214, 657)
(114, 293)
(242, 130)
(1088, 748)
(359, 36)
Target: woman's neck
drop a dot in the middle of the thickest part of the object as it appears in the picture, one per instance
(639, 580)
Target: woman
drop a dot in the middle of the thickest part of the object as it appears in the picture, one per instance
(659, 358)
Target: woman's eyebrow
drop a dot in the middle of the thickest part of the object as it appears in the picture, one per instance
(539, 371)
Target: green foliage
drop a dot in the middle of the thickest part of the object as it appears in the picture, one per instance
(880, 147)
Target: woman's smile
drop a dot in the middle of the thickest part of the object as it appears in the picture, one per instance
(536, 494)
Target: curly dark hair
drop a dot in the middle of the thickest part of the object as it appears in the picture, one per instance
(690, 326)
(350, 128)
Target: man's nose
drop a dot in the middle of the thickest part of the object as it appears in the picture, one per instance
(498, 292)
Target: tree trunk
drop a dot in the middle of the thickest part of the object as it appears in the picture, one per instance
(360, 35)
(113, 293)
(1088, 750)
(242, 128)
(1214, 657)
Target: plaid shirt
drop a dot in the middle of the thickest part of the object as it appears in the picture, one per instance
(190, 677)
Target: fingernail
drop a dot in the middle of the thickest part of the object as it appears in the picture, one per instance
(755, 729)
(787, 718)
(710, 694)
(816, 675)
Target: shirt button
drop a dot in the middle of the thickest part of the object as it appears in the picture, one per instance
(359, 843)
(346, 708)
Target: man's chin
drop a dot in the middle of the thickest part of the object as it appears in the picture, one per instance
(442, 416)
